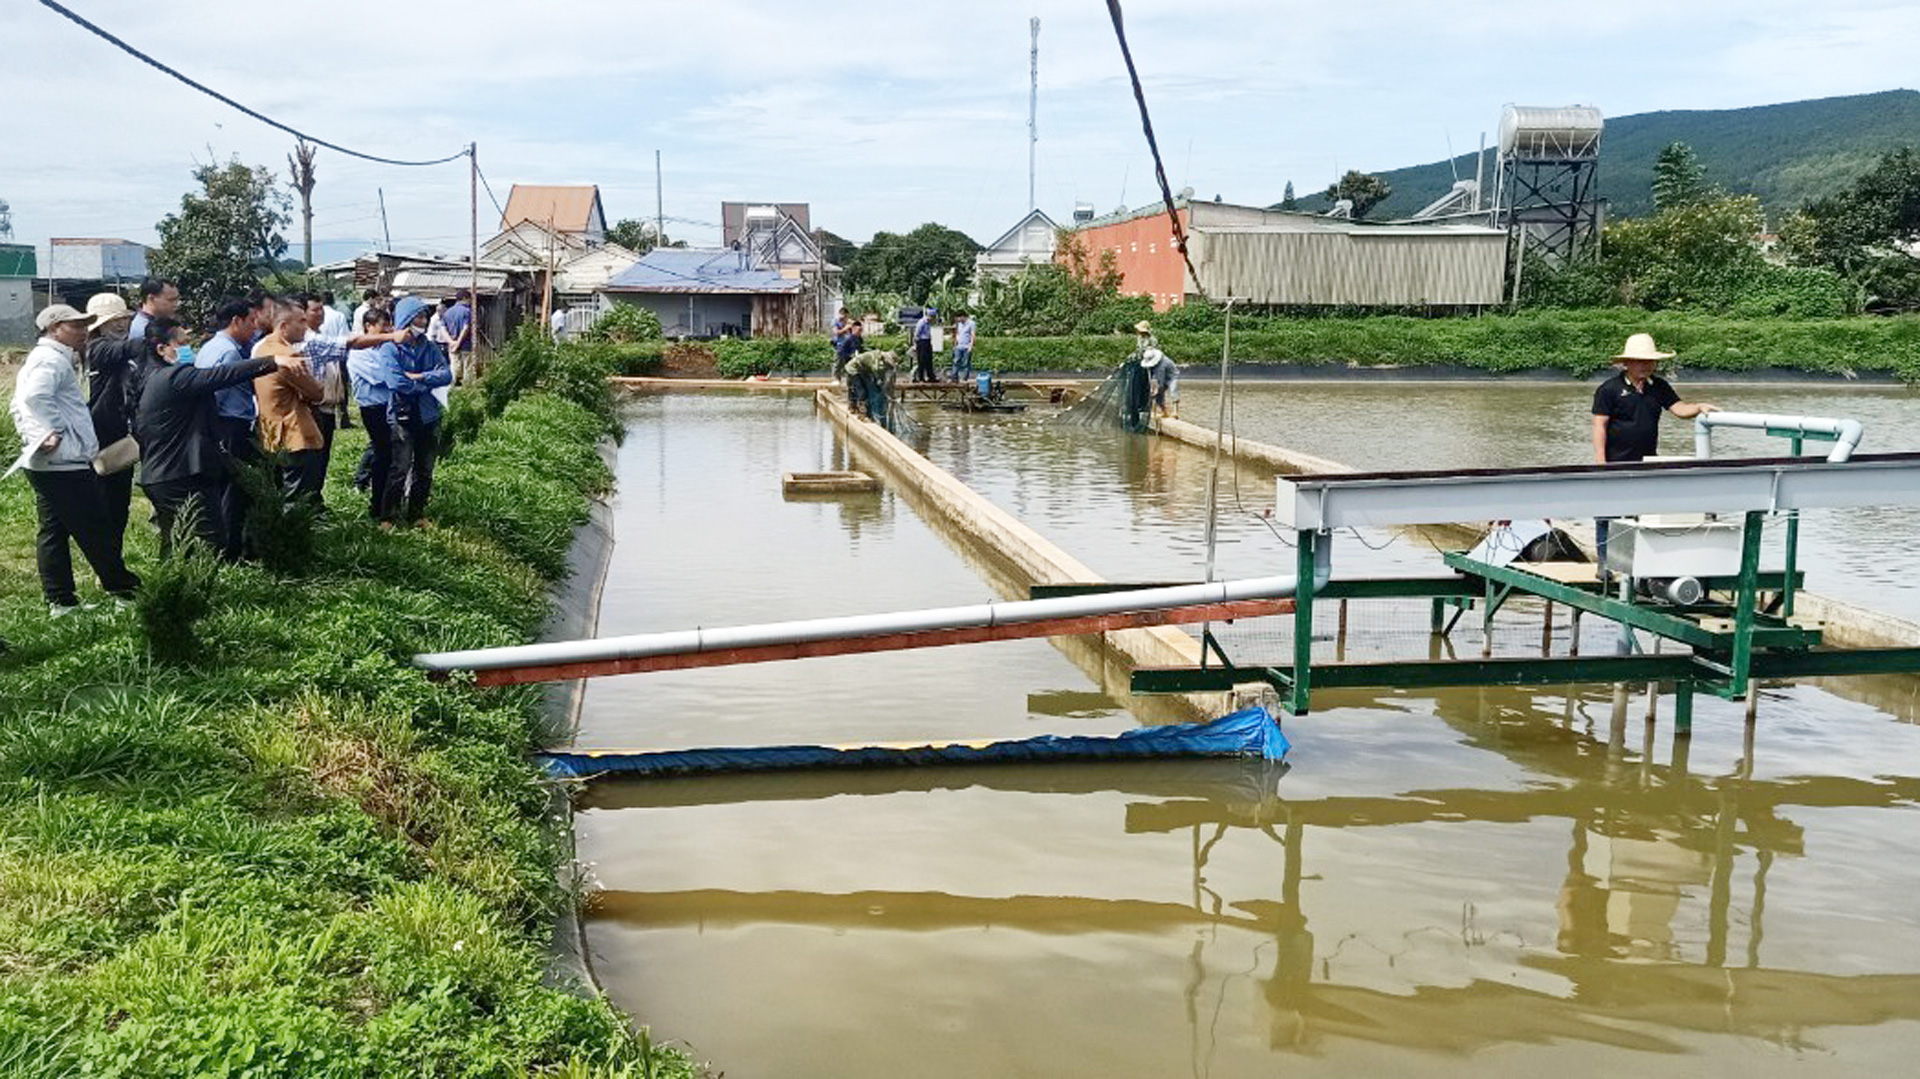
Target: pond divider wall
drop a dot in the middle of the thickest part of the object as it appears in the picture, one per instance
(940, 497)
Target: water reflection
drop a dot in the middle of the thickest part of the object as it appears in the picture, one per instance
(1482, 881)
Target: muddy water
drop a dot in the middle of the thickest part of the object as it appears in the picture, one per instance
(1478, 882)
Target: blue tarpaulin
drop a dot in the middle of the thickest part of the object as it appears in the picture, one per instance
(1250, 732)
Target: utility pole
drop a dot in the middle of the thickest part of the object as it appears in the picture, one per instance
(300, 164)
(385, 233)
(1033, 110)
(659, 205)
(546, 294)
(473, 293)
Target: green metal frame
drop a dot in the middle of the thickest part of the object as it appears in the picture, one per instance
(1724, 662)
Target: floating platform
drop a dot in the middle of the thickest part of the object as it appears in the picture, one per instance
(828, 483)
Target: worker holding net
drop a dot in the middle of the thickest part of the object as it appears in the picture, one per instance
(1125, 398)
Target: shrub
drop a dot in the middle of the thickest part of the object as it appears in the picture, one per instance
(176, 594)
(625, 324)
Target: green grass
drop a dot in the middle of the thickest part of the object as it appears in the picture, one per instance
(284, 852)
(1577, 342)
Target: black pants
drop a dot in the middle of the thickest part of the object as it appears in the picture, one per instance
(380, 458)
(410, 482)
(237, 441)
(118, 489)
(324, 417)
(73, 506)
(196, 498)
(304, 474)
(923, 362)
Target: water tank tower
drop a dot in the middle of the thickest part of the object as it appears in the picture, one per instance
(1548, 185)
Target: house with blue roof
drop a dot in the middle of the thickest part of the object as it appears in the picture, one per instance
(770, 281)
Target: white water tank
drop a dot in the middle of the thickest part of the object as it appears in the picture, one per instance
(1569, 133)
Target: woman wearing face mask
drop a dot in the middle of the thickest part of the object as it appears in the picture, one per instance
(181, 465)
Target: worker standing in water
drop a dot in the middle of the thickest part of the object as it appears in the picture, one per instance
(1136, 379)
(1626, 414)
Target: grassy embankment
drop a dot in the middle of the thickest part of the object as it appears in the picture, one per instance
(293, 855)
(1577, 342)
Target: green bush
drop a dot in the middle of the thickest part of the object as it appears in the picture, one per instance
(176, 594)
(625, 324)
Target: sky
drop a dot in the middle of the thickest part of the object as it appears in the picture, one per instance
(879, 121)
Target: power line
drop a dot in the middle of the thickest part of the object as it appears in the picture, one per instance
(1146, 124)
(101, 33)
(483, 183)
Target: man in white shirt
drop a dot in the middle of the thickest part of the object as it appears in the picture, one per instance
(57, 446)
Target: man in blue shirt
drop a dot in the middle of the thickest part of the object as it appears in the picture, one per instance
(459, 323)
(415, 367)
(234, 413)
(923, 347)
(962, 367)
(158, 299)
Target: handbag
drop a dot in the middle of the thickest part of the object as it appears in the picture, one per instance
(122, 455)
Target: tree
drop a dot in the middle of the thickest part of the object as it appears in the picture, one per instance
(300, 167)
(1679, 179)
(225, 237)
(638, 236)
(1287, 201)
(1865, 232)
(1365, 191)
(911, 264)
(1699, 254)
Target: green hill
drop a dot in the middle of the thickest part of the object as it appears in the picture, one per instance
(1786, 154)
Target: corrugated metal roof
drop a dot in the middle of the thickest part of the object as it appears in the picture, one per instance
(438, 279)
(678, 269)
(569, 207)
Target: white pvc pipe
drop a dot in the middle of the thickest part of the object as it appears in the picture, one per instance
(812, 630)
(1846, 432)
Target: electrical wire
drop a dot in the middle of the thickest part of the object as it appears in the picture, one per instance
(490, 196)
(1146, 125)
(110, 39)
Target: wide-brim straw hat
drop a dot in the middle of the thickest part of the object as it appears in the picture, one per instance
(1641, 347)
(104, 307)
(1142, 327)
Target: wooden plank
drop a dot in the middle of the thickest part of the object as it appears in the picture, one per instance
(1564, 572)
(887, 642)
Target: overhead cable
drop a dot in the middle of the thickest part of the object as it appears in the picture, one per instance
(1146, 124)
(101, 33)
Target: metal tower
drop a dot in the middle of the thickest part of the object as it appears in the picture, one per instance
(1548, 183)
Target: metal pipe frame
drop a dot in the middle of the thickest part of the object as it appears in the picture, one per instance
(1686, 671)
(1773, 485)
(1844, 433)
(599, 656)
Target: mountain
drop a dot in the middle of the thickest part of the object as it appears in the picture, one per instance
(1786, 154)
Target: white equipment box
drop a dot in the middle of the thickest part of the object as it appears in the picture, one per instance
(1673, 545)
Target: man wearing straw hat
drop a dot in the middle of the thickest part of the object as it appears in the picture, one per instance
(1627, 407)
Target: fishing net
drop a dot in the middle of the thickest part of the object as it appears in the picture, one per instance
(1123, 399)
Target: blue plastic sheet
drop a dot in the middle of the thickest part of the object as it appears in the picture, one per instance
(1250, 732)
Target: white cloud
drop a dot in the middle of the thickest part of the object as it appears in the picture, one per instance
(882, 117)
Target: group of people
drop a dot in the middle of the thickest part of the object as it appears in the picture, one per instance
(111, 391)
(870, 374)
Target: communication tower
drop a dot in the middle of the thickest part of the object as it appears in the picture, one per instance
(6, 220)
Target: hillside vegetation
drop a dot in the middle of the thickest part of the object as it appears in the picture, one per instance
(1786, 154)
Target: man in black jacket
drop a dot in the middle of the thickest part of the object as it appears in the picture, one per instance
(181, 462)
(112, 358)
